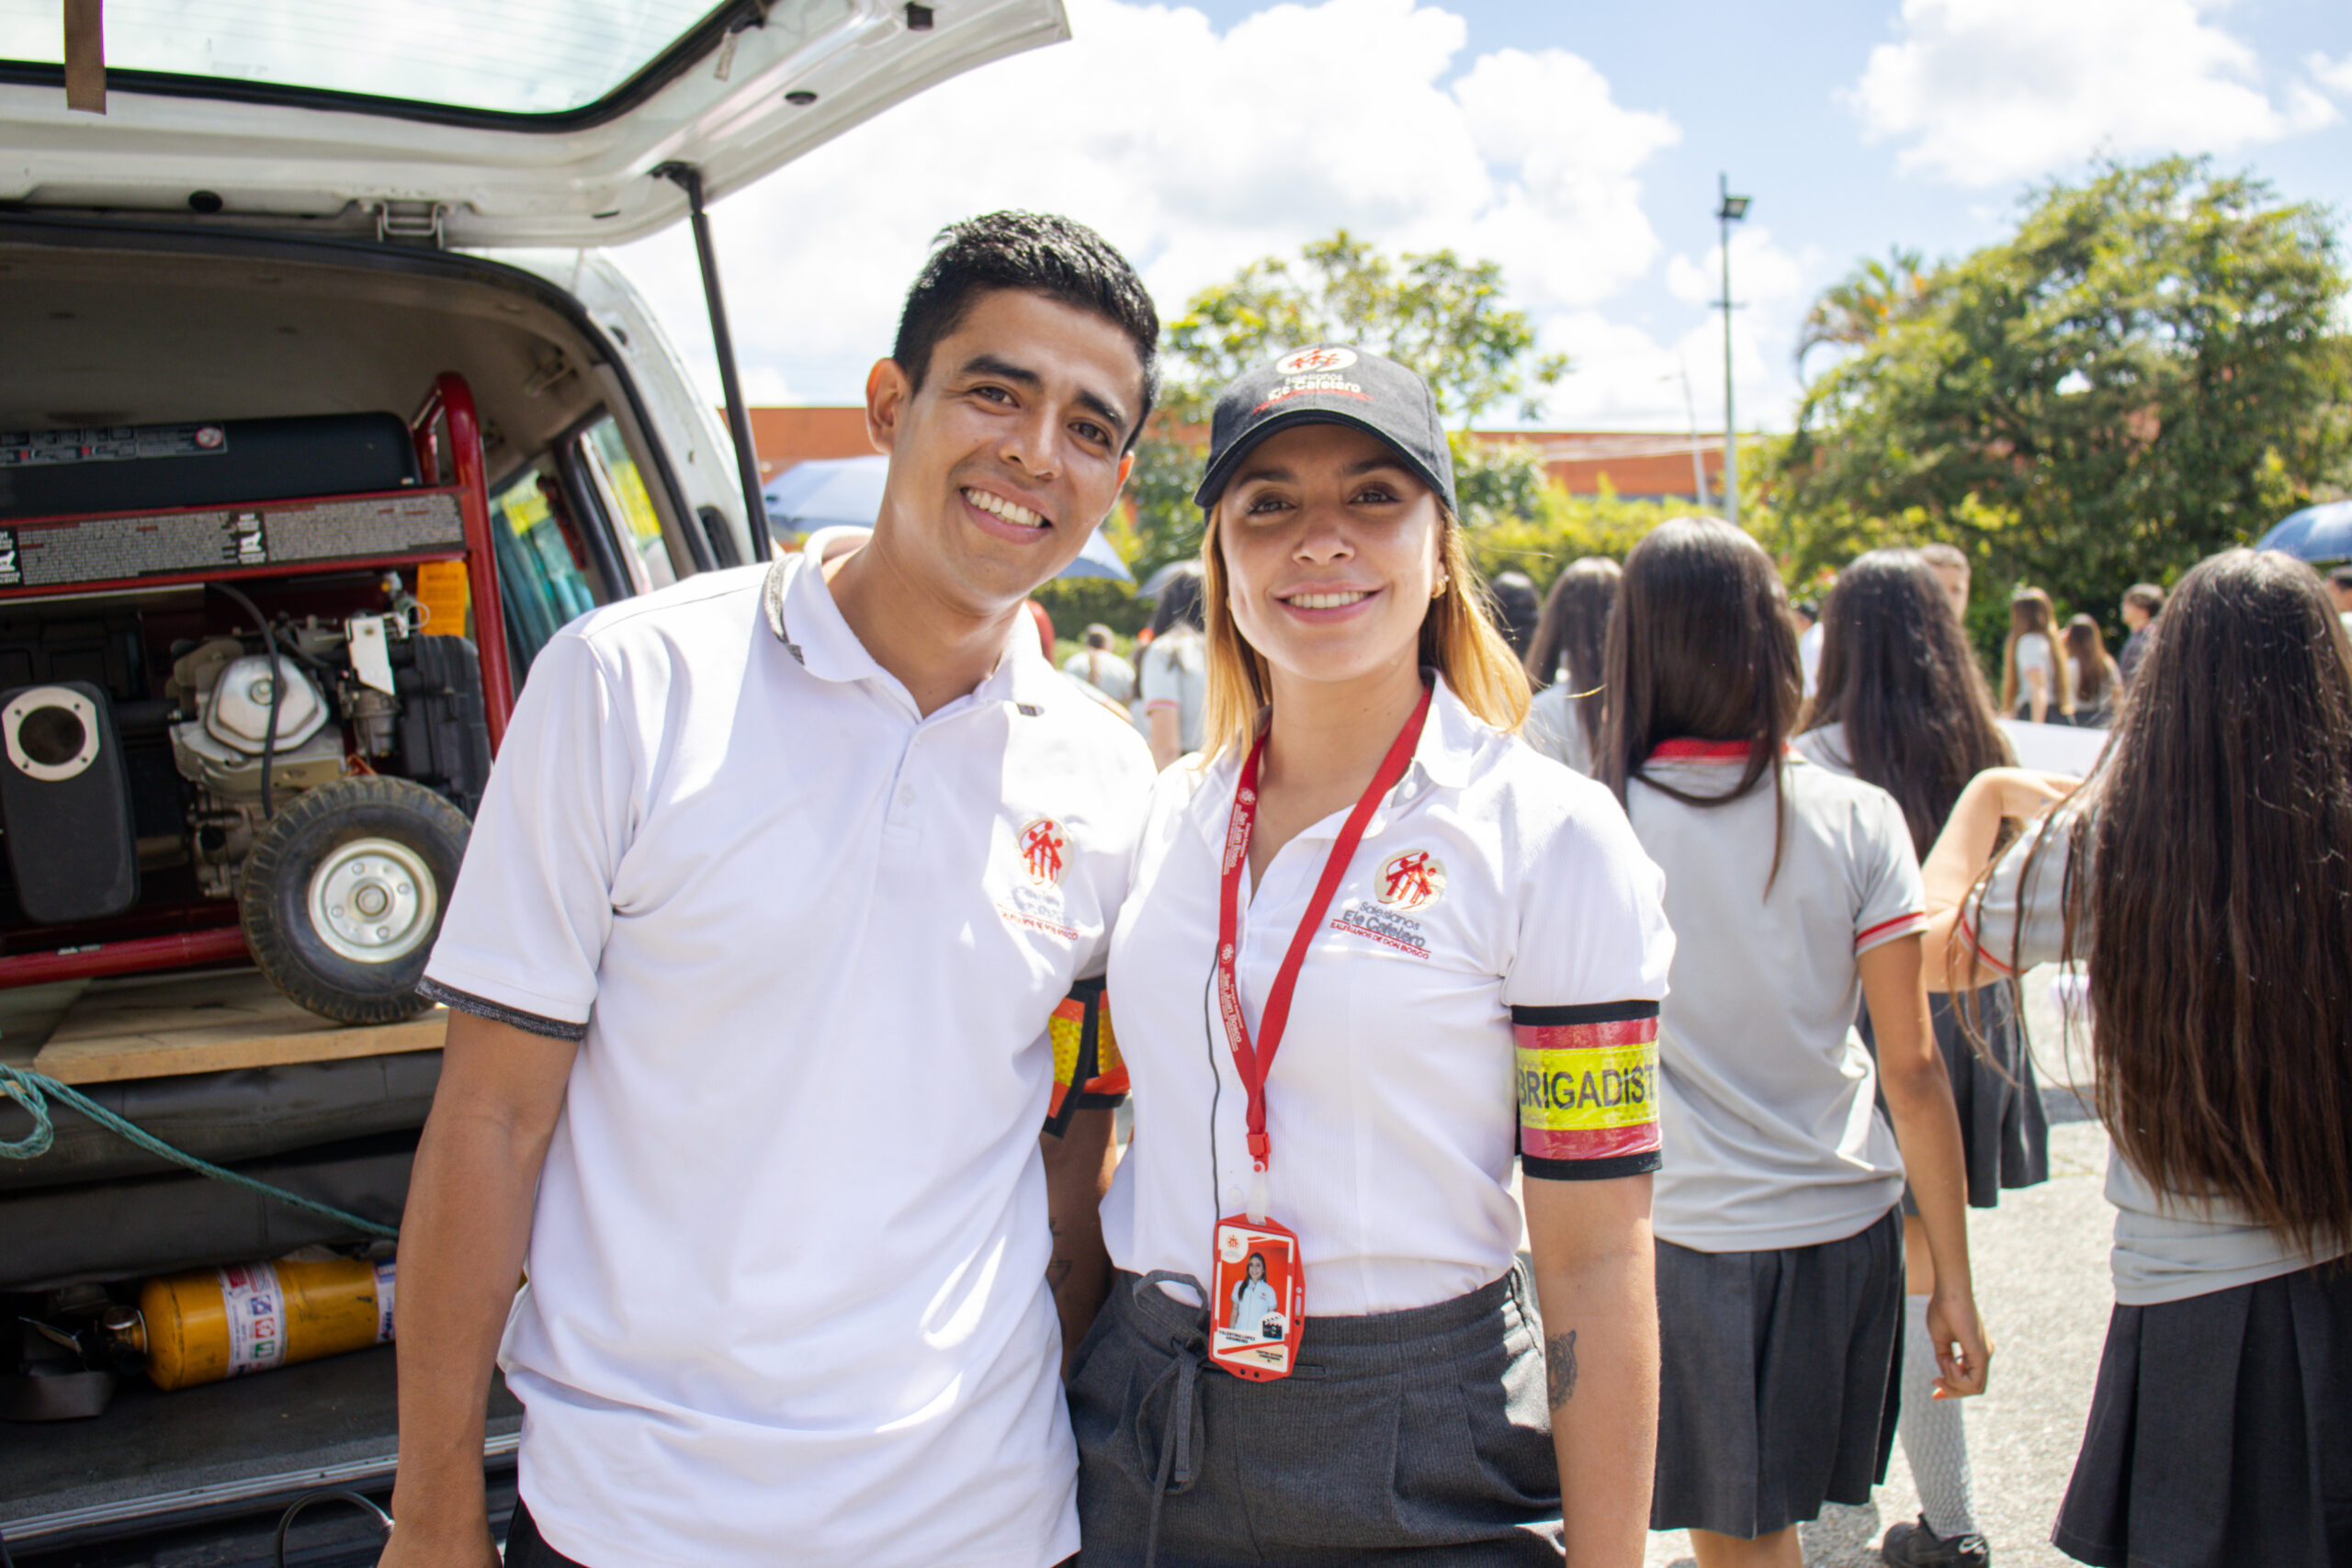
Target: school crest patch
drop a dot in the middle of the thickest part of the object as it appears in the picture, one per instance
(1412, 880)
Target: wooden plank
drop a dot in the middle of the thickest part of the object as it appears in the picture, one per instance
(85, 56)
(210, 1024)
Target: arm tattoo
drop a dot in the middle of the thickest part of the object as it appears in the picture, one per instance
(1560, 1367)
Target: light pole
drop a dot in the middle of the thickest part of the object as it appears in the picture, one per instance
(1732, 209)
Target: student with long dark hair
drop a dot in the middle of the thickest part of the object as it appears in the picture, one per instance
(1904, 706)
(2201, 875)
(1563, 663)
(2033, 662)
(1794, 896)
(2095, 677)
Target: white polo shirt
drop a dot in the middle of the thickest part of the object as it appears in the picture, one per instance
(2168, 1246)
(788, 1263)
(1773, 1135)
(1489, 883)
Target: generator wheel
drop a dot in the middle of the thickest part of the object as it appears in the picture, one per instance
(343, 894)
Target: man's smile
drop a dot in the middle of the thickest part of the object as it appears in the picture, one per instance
(1010, 511)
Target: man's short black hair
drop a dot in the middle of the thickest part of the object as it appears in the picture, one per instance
(1038, 253)
(2146, 595)
(2341, 577)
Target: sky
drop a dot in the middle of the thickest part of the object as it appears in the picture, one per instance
(1578, 143)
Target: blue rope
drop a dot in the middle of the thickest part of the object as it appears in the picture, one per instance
(34, 1090)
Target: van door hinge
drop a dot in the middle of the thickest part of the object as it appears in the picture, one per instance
(409, 222)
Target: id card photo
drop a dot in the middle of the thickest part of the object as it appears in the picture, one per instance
(1257, 1273)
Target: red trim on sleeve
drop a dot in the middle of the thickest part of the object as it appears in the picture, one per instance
(1968, 934)
(1887, 931)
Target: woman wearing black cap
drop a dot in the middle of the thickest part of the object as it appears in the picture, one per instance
(1373, 948)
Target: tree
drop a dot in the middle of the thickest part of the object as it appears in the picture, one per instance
(1857, 310)
(2146, 372)
(1445, 317)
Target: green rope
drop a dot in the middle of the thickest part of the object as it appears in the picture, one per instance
(34, 1090)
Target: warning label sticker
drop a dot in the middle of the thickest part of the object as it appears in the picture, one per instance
(386, 1279)
(256, 1317)
(110, 443)
(123, 550)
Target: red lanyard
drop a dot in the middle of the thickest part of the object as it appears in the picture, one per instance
(1253, 1062)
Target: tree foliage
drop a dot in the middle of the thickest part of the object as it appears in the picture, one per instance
(1445, 317)
(1856, 311)
(2146, 372)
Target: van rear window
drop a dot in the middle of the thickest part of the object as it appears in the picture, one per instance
(488, 58)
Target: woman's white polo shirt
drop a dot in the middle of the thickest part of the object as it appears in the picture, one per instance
(1489, 879)
(788, 1263)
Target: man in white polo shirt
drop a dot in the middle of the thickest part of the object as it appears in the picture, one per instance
(783, 875)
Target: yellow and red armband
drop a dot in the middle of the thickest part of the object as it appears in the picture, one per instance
(1089, 1074)
(1587, 1090)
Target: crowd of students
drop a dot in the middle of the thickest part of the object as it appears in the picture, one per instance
(2211, 836)
(1364, 960)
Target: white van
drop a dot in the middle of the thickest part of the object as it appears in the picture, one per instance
(320, 410)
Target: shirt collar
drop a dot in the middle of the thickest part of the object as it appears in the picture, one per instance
(1687, 749)
(801, 612)
(1451, 740)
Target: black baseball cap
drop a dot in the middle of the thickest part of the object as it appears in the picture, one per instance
(1329, 384)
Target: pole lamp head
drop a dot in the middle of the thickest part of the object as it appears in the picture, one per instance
(1734, 209)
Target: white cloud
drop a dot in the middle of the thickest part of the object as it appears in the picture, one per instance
(1194, 152)
(1983, 91)
(1761, 272)
(2336, 76)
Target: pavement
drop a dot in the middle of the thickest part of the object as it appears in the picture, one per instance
(2044, 1288)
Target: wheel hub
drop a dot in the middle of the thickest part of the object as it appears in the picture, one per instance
(373, 901)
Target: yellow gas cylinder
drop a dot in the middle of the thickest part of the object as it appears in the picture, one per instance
(212, 1324)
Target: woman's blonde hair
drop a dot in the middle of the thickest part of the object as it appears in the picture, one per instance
(1458, 640)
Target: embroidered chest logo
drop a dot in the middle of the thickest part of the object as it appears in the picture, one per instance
(1307, 361)
(1042, 846)
(1036, 901)
(1413, 880)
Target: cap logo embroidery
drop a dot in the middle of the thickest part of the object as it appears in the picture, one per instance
(1307, 361)
(1412, 880)
(1041, 843)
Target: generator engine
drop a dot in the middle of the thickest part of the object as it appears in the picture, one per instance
(327, 696)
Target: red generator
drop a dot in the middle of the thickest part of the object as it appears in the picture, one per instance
(241, 702)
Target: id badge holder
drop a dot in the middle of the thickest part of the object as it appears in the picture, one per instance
(1258, 1302)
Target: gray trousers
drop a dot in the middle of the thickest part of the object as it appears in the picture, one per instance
(1417, 1437)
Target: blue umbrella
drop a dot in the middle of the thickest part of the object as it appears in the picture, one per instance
(826, 492)
(2316, 533)
(1098, 560)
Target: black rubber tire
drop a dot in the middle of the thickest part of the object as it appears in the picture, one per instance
(273, 894)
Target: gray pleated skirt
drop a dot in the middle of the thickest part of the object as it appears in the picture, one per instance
(1417, 1436)
(2221, 1434)
(1778, 1382)
(2004, 1130)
